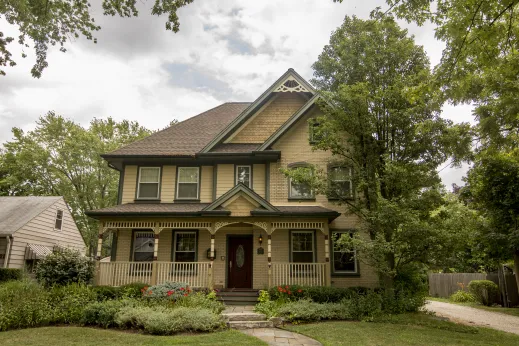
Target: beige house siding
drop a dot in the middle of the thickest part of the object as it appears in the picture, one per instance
(206, 188)
(3, 248)
(40, 230)
(124, 244)
(130, 183)
(167, 189)
(224, 179)
(240, 207)
(268, 120)
(258, 179)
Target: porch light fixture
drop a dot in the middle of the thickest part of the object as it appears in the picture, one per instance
(260, 239)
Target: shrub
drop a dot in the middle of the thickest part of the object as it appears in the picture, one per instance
(24, 304)
(64, 267)
(308, 311)
(133, 290)
(8, 274)
(68, 302)
(485, 291)
(364, 306)
(461, 296)
(397, 301)
(200, 300)
(318, 294)
(168, 290)
(103, 313)
(107, 292)
(163, 321)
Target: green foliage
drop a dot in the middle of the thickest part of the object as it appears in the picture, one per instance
(64, 267)
(102, 314)
(54, 23)
(133, 290)
(8, 274)
(168, 290)
(163, 321)
(106, 292)
(307, 311)
(200, 300)
(68, 302)
(318, 294)
(461, 296)
(485, 291)
(364, 306)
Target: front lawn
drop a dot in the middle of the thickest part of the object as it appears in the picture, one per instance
(406, 329)
(500, 309)
(78, 336)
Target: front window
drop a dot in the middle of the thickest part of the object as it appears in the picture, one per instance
(300, 189)
(344, 258)
(149, 183)
(187, 182)
(243, 175)
(340, 182)
(303, 247)
(143, 246)
(58, 223)
(185, 247)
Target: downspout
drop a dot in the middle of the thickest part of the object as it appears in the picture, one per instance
(7, 251)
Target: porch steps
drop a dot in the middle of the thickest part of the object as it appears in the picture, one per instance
(238, 297)
(247, 320)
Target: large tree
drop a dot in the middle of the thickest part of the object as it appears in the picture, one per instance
(44, 23)
(59, 157)
(382, 118)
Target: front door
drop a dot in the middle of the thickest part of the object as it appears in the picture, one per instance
(239, 264)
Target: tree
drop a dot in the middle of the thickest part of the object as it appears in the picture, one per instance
(53, 23)
(382, 119)
(62, 158)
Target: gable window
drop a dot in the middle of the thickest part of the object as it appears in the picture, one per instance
(149, 183)
(340, 182)
(344, 260)
(188, 182)
(302, 246)
(58, 223)
(243, 175)
(143, 245)
(313, 133)
(300, 189)
(185, 247)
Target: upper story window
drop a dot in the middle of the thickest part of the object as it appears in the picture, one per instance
(58, 223)
(300, 189)
(243, 175)
(340, 182)
(185, 247)
(344, 259)
(143, 246)
(149, 183)
(302, 246)
(188, 182)
(313, 133)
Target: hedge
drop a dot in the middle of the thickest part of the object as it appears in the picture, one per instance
(8, 274)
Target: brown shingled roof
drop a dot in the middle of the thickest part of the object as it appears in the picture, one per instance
(235, 148)
(187, 137)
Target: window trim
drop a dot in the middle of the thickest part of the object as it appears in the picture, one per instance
(290, 197)
(137, 192)
(174, 244)
(177, 182)
(56, 219)
(334, 198)
(236, 167)
(342, 273)
(291, 244)
(132, 245)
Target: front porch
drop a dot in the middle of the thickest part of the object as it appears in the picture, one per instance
(226, 253)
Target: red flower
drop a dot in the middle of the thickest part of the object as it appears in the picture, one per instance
(185, 294)
(289, 292)
(150, 292)
(299, 291)
(286, 287)
(181, 288)
(284, 291)
(170, 293)
(145, 287)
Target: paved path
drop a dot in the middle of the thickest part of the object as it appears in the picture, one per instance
(473, 316)
(280, 337)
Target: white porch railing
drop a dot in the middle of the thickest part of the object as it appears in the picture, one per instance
(306, 274)
(122, 273)
(195, 274)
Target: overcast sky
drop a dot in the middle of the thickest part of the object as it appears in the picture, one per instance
(226, 50)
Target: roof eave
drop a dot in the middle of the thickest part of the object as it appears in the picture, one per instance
(98, 215)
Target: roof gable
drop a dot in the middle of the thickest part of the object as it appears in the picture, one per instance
(290, 81)
(243, 191)
(16, 212)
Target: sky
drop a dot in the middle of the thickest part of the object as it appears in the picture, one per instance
(226, 50)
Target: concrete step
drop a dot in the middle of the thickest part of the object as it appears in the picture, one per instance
(238, 293)
(244, 316)
(250, 324)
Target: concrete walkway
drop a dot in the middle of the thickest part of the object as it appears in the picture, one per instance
(473, 316)
(280, 337)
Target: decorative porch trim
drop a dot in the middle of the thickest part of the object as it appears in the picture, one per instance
(129, 224)
(186, 225)
(299, 225)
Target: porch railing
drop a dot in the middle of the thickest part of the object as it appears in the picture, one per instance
(122, 273)
(306, 274)
(195, 274)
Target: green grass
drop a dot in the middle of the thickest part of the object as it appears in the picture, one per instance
(500, 309)
(408, 329)
(80, 336)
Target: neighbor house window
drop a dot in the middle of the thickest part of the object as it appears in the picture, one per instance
(185, 247)
(300, 189)
(58, 223)
(344, 259)
(340, 182)
(143, 246)
(302, 246)
(243, 175)
(187, 182)
(149, 183)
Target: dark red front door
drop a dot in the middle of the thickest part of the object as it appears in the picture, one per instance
(239, 262)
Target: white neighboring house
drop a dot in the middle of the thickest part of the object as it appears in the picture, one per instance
(31, 227)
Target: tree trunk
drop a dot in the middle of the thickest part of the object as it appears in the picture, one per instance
(516, 268)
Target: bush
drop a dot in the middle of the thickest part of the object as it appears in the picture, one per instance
(364, 306)
(308, 311)
(64, 267)
(200, 300)
(102, 314)
(168, 290)
(24, 304)
(8, 274)
(318, 294)
(133, 290)
(485, 291)
(163, 321)
(107, 292)
(398, 301)
(69, 302)
(461, 296)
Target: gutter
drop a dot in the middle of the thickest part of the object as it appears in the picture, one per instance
(7, 251)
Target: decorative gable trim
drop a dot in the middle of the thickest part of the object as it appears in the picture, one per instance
(248, 194)
(291, 85)
(236, 123)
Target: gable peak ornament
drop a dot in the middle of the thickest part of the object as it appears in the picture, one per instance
(291, 85)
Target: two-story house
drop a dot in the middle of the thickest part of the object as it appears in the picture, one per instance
(205, 201)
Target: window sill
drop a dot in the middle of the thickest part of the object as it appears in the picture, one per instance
(294, 199)
(340, 275)
(140, 200)
(186, 200)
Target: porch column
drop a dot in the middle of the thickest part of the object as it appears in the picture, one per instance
(269, 258)
(154, 266)
(327, 271)
(97, 270)
(211, 266)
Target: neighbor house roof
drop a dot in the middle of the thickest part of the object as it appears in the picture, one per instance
(15, 211)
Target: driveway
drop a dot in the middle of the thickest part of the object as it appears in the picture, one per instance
(473, 316)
